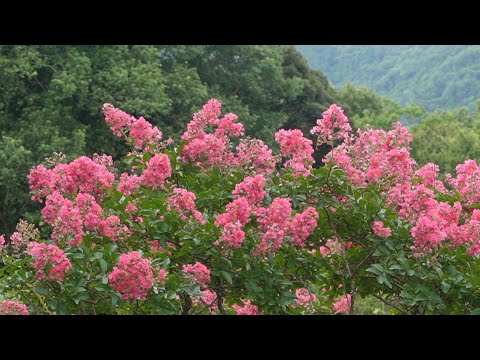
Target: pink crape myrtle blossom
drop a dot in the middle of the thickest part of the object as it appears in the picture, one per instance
(81, 175)
(375, 156)
(162, 276)
(298, 148)
(139, 130)
(17, 240)
(199, 272)
(2, 242)
(204, 148)
(380, 230)
(133, 277)
(305, 298)
(302, 226)
(207, 299)
(343, 305)
(232, 234)
(11, 307)
(252, 188)
(157, 171)
(332, 247)
(129, 183)
(274, 223)
(50, 261)
(253, 154)
(246, 309)
(183, 202)
(334, 125)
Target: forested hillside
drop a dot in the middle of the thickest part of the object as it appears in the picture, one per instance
(435, 76)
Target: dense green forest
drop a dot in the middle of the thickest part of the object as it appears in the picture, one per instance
(50, 97)
(435, 76)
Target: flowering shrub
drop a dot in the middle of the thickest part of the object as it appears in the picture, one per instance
(218, 224)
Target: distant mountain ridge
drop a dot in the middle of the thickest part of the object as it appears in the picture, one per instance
(435, 76)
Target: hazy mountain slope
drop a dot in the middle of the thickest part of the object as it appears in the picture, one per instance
(436, 76)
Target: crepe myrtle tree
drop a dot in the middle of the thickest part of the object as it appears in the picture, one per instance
(218, 224)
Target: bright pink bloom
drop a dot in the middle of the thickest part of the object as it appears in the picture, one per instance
(305, 298)
(2, 242)
(117, 119)
(343, 305)
(17, 240)
(298, 148)
(199, 272)
(183, 202)
(133, 277)
(111, 227)
(252, 189)
(334, 125)
(128, 183)
(302, 226)
(332, 247)
(162, 275)
(158, 169)
(50, 261)
(253, 154)
(10, 307)
(246, 309)
(81, 175)
(380, 230)
(232, 234)
(274, 222)
(143, 133)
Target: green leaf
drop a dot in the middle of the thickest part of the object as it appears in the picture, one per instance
(82, 296)
(227, 276)
(475, 311)
(445, 287)
(41, 291)
(103, 266)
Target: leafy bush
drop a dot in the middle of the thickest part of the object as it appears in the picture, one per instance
(218, 224)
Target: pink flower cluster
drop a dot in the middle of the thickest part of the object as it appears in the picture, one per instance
(129, 183)
(10, 307)
(252, 188)
(334, 125)
(70, 220)
(332, 247)
(207, 298)
(302, 226)
(17, 240)
(254, 155)
(162, 276)
(199, 272)
(81, 175)
(183, 202)
(298, 148)
(246, 309)
(467, 182)
(157, 171)
(248, 196)
(140, 130)
(204, 148)
(2, 242)
(133, 277)
(375, 156)
(274, 223)
(50, 261)
(304, 297)
(380, 230)
(343, 305)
